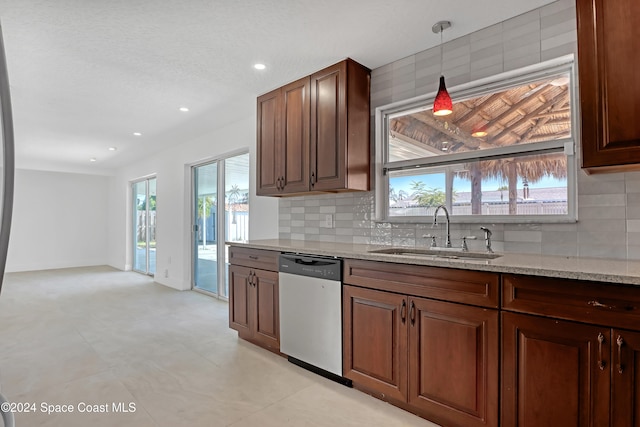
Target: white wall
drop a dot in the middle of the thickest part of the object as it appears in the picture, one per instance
(171, 167)
(59, 220)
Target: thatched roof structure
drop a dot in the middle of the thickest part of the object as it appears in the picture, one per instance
(530, 113)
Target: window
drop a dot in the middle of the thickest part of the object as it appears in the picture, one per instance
(506, 153)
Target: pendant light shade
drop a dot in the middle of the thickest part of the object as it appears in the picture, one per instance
(442, 105)
(479, 131)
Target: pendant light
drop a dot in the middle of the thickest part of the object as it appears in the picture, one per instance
(442, 105)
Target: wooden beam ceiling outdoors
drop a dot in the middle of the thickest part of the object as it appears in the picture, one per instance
(529, 112)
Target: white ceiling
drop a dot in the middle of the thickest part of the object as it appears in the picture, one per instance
(86, 74)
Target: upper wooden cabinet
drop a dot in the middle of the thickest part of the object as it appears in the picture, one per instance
(313, 134)
(608, 62)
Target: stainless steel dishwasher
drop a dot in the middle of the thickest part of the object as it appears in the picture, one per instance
(310, 289)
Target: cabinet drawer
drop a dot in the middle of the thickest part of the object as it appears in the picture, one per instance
(591, 302)
(463, 286)
(254, 258)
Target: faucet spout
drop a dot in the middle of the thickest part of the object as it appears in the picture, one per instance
(435, 222)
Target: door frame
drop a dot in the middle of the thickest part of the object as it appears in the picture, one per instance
(134, 219)
(220, 219)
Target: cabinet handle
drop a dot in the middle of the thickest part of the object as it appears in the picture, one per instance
(620, 343)
(598, 304)
(253, 257)
(403, 311)
(412, 313)
(601, 362)
(253, 280)
(312, 179)
(250, 278)
(281, 183)
(278, 183)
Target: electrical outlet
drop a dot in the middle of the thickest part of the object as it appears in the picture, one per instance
(166, 273)
(328, 221)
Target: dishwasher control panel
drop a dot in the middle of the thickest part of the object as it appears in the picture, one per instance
(311, 266)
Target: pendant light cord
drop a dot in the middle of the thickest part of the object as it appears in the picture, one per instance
(441, 50)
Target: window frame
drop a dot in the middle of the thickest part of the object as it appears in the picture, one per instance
(503, 81)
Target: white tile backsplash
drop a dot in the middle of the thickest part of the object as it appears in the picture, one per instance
(608, 205)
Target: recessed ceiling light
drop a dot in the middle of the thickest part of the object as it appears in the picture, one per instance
(113, 148)
(93, 159)
(184, 109)
(137, 134)
(259, 66)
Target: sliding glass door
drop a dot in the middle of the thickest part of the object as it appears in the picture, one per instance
(205, 180)
(144, 226)
(220, 213)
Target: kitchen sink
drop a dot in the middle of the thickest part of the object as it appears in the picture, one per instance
(436, 253)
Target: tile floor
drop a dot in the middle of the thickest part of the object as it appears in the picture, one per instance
(98, 336)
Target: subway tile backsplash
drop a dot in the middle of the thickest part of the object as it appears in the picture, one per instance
(608, 205)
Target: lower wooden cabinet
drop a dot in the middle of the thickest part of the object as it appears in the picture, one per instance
(375, 340)
(453, 362)
(448, 345)
(563, 373)
(625, 378)
(253, 305)
(551, 373)
(437, 359)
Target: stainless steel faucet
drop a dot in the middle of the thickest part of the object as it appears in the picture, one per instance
(487, 239)
(435, 223)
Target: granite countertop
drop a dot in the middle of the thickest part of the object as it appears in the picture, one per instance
(596, 269)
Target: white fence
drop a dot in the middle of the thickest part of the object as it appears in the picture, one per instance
(523, 208)
(237, 226)
(141, 226)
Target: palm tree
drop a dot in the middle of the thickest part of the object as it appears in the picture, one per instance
(205, 206)
(233, 196)
(426, 196)
(501, 189)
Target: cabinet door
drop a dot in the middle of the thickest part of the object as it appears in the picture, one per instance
(608, 34)
(329, 128)
(554, 373)
(240, 310)
(375, 337)
(266, 329)
(269, 148)
(295, 134)
(625, 360)
(453, 362)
